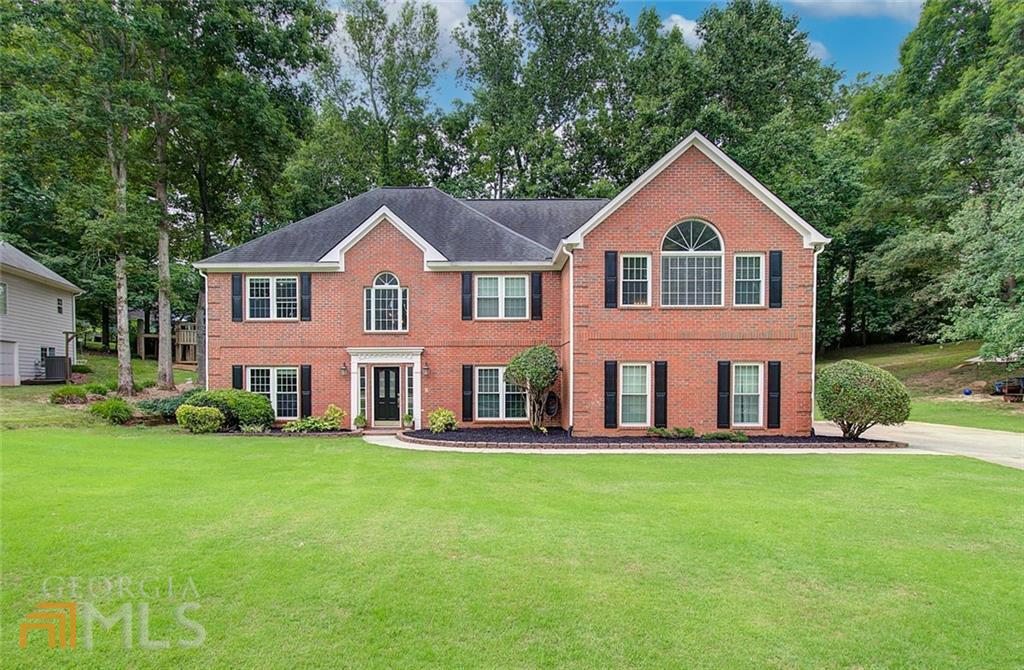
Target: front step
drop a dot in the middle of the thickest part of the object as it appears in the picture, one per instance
(382, 431)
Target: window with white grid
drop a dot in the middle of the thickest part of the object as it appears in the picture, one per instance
(692, 273)
(502, 297)
(746, 394)
(748, 269)
(273, 297)
(278, 385)
(634, 385)
(386, 305)
(636, 280)
(497, 398)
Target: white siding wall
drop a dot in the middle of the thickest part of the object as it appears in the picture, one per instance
(32, 320)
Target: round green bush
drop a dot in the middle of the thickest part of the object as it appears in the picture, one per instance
(68, 395)
(114, 410)
(856, 396)
(200, 419)
(166, 407)
(238, 407)
(96, 388)
(441, 420)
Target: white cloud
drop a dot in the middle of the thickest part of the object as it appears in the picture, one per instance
(818, 50)
(686, 26)
(450, 13)
(906, 10)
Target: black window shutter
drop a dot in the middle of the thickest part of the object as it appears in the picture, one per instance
(661, 394)
(724, 384)
(467, 296)
(611, 393)
(611, 279)
(305, 296)
(306, 390)
(236, 377)
(467, 392)
(536, 296)
(775, 279)
(774, 395)
(236, 296)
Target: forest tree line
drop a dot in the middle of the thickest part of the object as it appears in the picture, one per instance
(137, 136)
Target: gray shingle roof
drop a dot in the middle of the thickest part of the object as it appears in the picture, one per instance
(13, 257)
(462, 230)
(545, 221)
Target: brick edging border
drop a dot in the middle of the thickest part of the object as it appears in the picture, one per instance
(663, 444)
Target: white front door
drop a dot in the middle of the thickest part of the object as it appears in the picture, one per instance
(9, 364)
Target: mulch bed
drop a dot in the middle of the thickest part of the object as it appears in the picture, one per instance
(277, 432)
(559, 439)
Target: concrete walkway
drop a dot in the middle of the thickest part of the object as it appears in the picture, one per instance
(392, 441)
(994, 446)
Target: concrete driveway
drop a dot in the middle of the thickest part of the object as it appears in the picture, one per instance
(994, 446)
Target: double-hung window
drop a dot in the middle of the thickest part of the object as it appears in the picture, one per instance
(635, 289)
(386, 305)
(501, 297)
(280, 386)
(748, 270)
(273, 297)
(3, 298)
(634, 394)
(497, 398)
(747, 384)
(692, 273)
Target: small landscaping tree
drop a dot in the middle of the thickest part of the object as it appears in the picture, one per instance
(535, 369)
(856, 396)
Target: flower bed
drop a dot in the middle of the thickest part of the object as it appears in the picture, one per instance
(556, 438)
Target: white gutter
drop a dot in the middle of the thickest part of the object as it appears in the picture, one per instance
(206, 331)
(572, 340)
(814, 329)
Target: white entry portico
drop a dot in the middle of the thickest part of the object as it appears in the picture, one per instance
(378, 356)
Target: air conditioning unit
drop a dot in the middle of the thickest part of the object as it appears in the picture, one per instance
(55, 367)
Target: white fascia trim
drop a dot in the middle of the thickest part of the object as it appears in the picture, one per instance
(492, 266)
(337, 254)
(811, 236)
(272, 266)
(32, 276)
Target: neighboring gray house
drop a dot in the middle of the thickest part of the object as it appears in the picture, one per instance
(37, 308)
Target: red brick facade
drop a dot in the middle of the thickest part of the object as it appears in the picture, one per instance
(690, 339)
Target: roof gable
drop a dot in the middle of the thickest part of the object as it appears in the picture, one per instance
(695, 140)
(16, 261)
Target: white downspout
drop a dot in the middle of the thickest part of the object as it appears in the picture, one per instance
(572, 339)
(206, 330)
(814, 330)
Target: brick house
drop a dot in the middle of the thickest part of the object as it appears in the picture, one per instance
(687, 300)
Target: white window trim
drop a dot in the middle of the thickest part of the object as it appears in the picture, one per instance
(60, 305)
(501, 396)
(736, 279)
(760, 394)
(691, 254)
(501, 298)
(403, 317)
(6, 292)
(273, 387)
(622, 276)
(623, 424)
(273, 298)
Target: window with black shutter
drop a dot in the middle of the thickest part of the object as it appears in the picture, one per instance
(775, 279)
(236, 296)
(536, 296)
(611, 392)
(661, 394)
(467, 392)
(611, 279)
(774, 394)
(724, 384)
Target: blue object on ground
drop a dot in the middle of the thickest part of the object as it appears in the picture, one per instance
(968, 392)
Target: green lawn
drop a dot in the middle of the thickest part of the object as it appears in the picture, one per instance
(309, 552)
(936, 375)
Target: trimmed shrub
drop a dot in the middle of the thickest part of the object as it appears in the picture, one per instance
(237, 406)
(674, 434)
(725, 436)
(97, 388)
(856, 396)
(81, 368)
(166, 407)
(535, 369)
(441, 420)
(199, 419)
(68, 395)
(335, 415)
(114, 410)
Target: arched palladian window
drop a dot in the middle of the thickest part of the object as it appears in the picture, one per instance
(386, 304)
(692, 266)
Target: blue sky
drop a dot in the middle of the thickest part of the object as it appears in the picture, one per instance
(854, 35)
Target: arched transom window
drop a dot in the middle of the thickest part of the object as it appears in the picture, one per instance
(386, 304)
(692, 272)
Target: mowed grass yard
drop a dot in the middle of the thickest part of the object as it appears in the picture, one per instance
(936, 375)
(313, 552)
